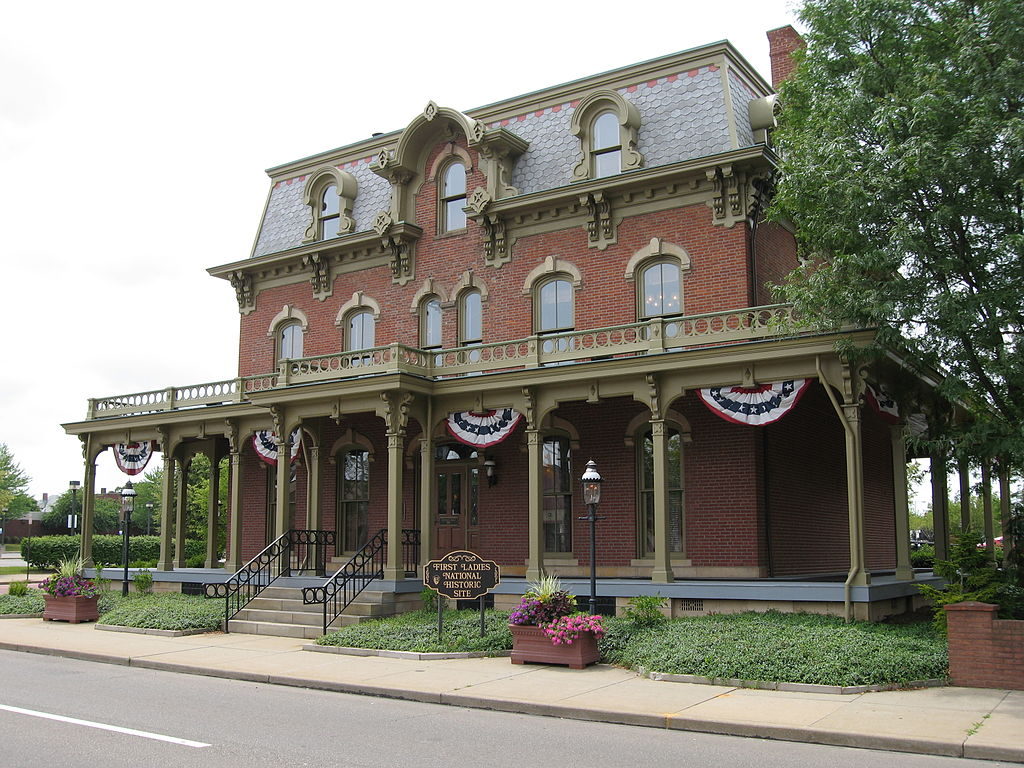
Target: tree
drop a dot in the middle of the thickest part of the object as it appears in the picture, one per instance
(105, 514)
(13, 479)
(902, 137)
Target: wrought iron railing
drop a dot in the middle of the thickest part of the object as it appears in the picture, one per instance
(647, 337)
(296, 550)
(363, 568)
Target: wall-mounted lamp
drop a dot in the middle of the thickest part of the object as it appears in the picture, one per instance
(490, 467)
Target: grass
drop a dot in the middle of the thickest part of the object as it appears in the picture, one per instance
(795, 648)
(9, 547)
(8, 570)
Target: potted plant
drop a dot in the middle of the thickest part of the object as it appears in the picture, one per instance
(547, 628)
(69, 596)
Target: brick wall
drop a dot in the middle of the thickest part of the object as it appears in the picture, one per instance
(775, 257)
(782, 42)
(984, 652)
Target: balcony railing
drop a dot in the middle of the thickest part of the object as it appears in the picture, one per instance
(652, 336)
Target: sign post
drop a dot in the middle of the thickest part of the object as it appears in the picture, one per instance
(461, 575)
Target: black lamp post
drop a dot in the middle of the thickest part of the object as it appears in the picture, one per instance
(149, 518)
(73, 517)
(591, 496)
(128, 495)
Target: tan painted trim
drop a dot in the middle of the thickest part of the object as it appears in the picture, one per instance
(347, 189)
(350, 439)
(673, 418)
(655, 249)
(450, 152)
(550, 267)
(469, 280)
(581, 126)
(288, 312)
(358, 301)
(430, 287)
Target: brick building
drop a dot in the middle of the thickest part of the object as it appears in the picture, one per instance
(445, 323)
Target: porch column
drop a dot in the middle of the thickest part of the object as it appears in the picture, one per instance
(426, 498)
(535, 532)
(166, 562)
(662, 571)
(986, 496)
(394, 570)
(940, 506)
(313, 512)
(964, 470)
(1004, 512)
(181, 511)
(234, 559)
(212, 511)
(282, 515)
(88, 502)
(855, 495)
(904, 570)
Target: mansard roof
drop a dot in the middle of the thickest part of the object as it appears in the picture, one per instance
(691, 104)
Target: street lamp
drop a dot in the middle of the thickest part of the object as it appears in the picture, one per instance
(149, 518)
(128, 495)
(591, 496)
(73, 517)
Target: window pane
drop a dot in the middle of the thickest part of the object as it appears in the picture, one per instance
(329, 204)
(555, 305)
(329, 227)
(662, 294)
(455, 180)
(432, 324)
(361, 331)
(472, 317)
(607, 164)
(606, 131)
(454, 216)
(291, 341)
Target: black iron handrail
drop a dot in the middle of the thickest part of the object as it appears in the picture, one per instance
(296, 550)
(364, 567)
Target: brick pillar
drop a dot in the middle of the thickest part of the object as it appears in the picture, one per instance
(984, 652)
(782, 43)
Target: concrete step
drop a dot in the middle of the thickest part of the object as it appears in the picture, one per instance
(305, 618)
(280, 604)
(304, 631)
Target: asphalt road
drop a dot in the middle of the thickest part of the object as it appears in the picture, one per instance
(167, 719)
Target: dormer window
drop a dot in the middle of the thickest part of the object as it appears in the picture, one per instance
(330, 213)
(607, 126)
(605, 146)
(453, 198)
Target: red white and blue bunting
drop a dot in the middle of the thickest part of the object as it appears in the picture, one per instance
(882, 403)
(265, 442)
(756, 406)
(132, 458)
(483, 429)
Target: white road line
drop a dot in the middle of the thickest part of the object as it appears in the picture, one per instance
(105, 727)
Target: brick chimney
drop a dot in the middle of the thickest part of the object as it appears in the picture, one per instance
(782, 43)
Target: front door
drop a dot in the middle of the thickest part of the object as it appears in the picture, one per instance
(456, 519)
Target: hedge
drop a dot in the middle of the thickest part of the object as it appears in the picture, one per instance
(48, 551)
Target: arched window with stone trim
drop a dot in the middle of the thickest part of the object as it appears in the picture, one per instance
(554, 305)
(658, 269)
(607, 126)
(330, 194)
(452, 198)
(288, 329)
(471, 327)
(430, 322)
(357, 320)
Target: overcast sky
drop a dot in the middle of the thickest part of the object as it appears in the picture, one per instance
(134, 138)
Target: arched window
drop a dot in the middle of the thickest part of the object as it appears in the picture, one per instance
(554, 306)
(606, 146)
(557, 484)
(453, 198)
(470, 318)
(360, 330)
(430, 323)
(329, 217)
(353, 499)
(660, 290)
(289, 341)
(645, 484)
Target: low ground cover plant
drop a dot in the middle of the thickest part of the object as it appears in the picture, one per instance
(417, 631)
(30, 602)
(796, 648)
(167, 610)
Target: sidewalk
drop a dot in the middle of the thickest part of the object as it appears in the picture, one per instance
(958, 722)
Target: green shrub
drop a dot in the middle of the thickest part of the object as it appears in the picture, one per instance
(196, 561)
(47, 551)
(18, 588)
(143, 582)
(645, 610)
(923, 557)
(430, 598)
(971, 575)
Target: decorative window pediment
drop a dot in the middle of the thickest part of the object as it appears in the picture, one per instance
(607, 126)
(330, 194)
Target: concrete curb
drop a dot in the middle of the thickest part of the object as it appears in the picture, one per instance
(157, 632)
(943, 747)
(414, 655)
(21, 616)
(768, 685)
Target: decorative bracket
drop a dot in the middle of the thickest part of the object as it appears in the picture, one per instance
(600, 225)
(498, 150)
(399, 241)
(731, 193)
(321, 277)
(244, 291)
(496, 245)
(396, 411)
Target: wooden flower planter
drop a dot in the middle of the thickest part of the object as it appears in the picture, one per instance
(529, 643)
(70, 609)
